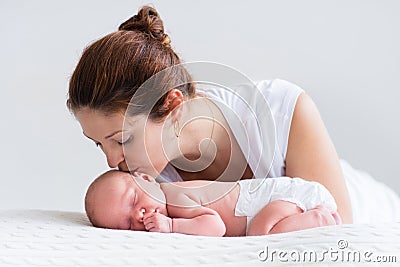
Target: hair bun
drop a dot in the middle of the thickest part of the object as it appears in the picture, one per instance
(148, 21)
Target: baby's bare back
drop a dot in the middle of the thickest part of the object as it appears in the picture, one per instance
(219, 196)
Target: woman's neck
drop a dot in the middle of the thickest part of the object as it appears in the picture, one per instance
(198, 135)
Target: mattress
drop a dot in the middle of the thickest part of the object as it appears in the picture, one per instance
(60, 238)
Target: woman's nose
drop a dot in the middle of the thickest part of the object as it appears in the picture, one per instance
(114, 158)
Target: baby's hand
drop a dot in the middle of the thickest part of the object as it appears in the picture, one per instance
(157, 222)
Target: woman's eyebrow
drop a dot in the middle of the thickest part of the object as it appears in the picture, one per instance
(108, 136)
(114, 133)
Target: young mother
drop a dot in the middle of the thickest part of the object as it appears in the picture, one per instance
(168, 141)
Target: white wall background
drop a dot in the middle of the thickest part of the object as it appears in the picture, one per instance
(345, 54)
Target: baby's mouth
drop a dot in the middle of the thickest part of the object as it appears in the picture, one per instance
(134, 170)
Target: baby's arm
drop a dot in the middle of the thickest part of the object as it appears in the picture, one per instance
(188, 217)
(280, 216)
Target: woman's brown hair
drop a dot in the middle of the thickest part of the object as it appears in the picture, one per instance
(112, 69)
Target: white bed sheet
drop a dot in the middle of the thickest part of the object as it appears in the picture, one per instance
(59, 238)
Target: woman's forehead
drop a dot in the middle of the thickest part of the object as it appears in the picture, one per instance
(88, 113)
(96, 124)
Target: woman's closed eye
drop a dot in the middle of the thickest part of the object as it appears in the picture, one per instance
(126, 141)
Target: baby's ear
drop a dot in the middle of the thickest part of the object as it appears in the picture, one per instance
(149, 178)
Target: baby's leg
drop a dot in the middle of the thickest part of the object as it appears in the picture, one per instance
(320, 216)
(270, 215)
(281, 216)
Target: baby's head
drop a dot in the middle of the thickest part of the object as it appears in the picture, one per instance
(119, 200)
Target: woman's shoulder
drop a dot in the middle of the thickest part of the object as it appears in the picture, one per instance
(277, 86)
(274, 89)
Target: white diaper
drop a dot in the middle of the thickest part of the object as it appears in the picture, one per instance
(254, 194)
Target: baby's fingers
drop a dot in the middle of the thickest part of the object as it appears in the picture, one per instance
(148, 215)
(149, 226)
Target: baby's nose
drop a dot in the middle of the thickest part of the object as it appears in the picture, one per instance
(141, 213)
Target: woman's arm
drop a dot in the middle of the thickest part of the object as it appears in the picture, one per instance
(311, 154)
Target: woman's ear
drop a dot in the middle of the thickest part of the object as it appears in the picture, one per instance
(173, 104)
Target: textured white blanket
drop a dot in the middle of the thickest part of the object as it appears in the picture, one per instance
(57, 238)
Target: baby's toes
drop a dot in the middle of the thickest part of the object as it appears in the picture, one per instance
(337, 218)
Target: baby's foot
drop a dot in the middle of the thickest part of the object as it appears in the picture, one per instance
(337, 218)
(327, 217)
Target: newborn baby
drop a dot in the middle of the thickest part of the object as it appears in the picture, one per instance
(120, 200)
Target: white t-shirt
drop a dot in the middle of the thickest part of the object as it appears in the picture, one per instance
(372, 201)
(259, 116)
